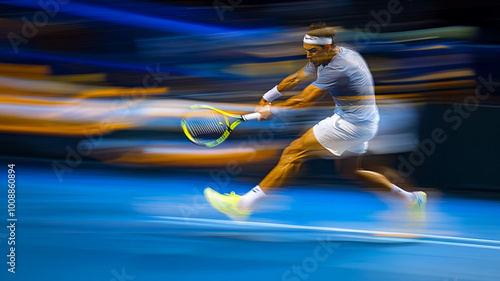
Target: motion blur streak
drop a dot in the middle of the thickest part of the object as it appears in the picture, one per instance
(119, 17)
(109, 188)
(175, 156)
(43, 107)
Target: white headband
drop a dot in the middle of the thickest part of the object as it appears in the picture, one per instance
(317, 40)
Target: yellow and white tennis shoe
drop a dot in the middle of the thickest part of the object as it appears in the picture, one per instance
(226, 203)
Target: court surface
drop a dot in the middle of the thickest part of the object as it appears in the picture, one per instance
(114, 224)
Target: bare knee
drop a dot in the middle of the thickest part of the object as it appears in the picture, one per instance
(370, 176)
(293, 153)
(360, 173)
(356, 173)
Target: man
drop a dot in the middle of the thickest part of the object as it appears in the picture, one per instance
(342, 73)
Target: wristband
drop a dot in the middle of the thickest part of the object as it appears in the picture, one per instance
(272, 94)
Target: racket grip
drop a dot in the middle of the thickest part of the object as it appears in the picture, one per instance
(250, 116)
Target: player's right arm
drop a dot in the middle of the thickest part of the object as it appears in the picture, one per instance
(290, 82)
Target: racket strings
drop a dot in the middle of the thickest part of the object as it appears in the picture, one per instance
(205, 126)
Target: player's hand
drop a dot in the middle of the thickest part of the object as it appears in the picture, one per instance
(264, 108)
(263, 102)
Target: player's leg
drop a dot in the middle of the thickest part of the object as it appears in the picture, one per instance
(351, 167)
(291, 159)
(239, 207)
(288, 166)
(383, 164)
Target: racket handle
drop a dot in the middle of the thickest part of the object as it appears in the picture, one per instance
(250, 116)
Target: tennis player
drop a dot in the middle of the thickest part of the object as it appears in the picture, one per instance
(343, 73)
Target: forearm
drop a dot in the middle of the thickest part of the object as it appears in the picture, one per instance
(293, 102)
(308, 96)
(289, 82)
(286, 84)
(298, 101)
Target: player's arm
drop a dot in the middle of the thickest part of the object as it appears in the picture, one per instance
(292, 80)
(310, 94)
(288, 83)
(306, 98)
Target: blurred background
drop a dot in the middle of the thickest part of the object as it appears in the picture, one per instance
(109, 187)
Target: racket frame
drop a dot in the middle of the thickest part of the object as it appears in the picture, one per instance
(230, 127)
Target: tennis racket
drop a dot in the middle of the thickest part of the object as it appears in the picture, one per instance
(208, 126)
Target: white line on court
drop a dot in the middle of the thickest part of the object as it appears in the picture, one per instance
(457, 241)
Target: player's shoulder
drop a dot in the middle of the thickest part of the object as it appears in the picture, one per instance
(346, 53)
(346, 57)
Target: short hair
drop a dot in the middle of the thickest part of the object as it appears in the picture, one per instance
(317, 25)
(320, 29)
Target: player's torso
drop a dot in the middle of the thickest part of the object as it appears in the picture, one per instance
(354, 96)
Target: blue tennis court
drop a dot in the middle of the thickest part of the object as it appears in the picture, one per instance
(104, 224)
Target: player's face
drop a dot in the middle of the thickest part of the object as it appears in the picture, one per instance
(316, 53)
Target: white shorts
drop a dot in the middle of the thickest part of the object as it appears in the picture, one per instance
(338, 135)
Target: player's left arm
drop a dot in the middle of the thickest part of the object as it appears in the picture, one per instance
(306, 98)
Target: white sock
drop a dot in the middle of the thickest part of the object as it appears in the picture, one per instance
(405, 195)
(250, 198)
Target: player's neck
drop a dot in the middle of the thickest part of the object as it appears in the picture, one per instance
(333, 52)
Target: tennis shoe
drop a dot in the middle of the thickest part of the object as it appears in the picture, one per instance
(226, 203)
